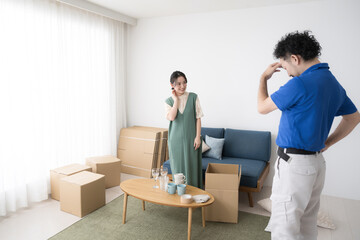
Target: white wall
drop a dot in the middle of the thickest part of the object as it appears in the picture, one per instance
(224, 53)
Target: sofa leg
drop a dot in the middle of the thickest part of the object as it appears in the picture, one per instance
(251, 203)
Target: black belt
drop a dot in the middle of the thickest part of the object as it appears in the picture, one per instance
(282, 154)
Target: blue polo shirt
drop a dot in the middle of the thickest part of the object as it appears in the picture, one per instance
(309, 104)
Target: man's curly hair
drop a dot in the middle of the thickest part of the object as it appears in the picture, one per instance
(298, 43)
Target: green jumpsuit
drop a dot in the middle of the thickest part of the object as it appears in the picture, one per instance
(182, 132)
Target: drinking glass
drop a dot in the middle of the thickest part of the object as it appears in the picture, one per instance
(155, 174)
(164, 171)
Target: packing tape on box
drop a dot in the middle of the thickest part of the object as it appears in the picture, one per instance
(143, 139)
(136, 167)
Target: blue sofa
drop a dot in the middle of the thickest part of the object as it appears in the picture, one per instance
(250, 149)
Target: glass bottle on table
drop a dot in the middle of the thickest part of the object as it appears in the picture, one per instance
(164, 178)
(155, 174)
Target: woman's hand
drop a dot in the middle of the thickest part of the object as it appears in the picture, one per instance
(197, 142)
(174, 96)
(171, 116)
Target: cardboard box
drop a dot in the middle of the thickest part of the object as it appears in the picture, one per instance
(138, 151)
(162, 144)
(109, 166)
(222, 181)
(58, 173)
(137, 159)
(141, 172)
(82, 193)
(137, 163)
(139, 140)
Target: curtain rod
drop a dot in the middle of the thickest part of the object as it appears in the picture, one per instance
(91, 7)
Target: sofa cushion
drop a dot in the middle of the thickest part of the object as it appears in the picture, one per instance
(204, 147)
(247, 144)
(216, 147)
(213, 132)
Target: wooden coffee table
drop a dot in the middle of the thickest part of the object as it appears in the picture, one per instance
(143, 190)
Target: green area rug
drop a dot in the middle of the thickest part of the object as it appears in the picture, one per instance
(159, 222)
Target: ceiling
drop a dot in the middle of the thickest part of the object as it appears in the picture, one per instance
(159, 8)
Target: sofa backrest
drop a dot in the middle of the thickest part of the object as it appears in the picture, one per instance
(247, 144)
(212, 132)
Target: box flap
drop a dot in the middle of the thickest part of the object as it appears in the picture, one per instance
(102, 159)
(71, 169)
(83, 178)
(222, 168)
(222, 176)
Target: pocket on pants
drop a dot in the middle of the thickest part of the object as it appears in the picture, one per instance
(280, 207)
(280, 198)
(303, 170)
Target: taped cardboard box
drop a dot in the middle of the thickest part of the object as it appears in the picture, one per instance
(139, 140)
(138, 149)
(109, 166)
(222, 181)
(58, 173)
(162, 144)
(82, 193)
(136, 163)
(137, 159)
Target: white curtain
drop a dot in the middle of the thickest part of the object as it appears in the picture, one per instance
(61, 93)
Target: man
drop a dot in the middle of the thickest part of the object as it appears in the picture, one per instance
(309, 102)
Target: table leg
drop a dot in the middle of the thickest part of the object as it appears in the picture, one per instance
(189, 223)
(203, 215)
(143, 205)
(124, 209)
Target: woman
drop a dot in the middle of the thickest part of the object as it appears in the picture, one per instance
(184, 141)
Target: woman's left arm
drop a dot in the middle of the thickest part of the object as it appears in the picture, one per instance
(197, 141)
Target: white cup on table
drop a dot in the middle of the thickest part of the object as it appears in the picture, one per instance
(179, 178)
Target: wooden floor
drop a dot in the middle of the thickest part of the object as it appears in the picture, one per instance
(43, 220)
(344, 213)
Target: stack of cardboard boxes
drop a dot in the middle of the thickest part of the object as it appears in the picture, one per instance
(78, 189)
(81, 188)
(58, 173)
(141, 149)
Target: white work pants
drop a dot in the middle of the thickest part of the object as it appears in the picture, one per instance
(296, 190)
